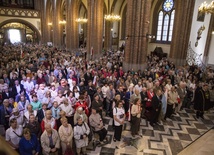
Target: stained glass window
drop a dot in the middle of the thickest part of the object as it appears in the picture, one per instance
(165, 21)
(160, 23)
(168, 5)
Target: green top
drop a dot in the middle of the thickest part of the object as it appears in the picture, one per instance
(36, 105)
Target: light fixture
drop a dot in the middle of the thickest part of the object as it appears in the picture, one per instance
(147, 36)
(150, 36)
(112, 17)
(50, 24)
(81, 20)
(206, 8)
(62, 22)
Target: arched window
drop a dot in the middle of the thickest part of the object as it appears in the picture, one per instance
(165, 22)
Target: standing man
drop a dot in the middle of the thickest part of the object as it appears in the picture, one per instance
(182, 93)
(202, 99)
(156, 107)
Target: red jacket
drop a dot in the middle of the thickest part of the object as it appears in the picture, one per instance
(43, 125)
(83, 105)
(149, 95)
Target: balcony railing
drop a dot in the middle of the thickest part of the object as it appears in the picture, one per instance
(4, 11)
(25, 4)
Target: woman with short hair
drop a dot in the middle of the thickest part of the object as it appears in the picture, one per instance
(135, 116)
(50, 141)
(29, 144)
(65, 134)
(5, 111)
(81, 132)
(119, 119)
(48, 119)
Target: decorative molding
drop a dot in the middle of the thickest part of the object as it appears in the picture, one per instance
(19, 12)
(199, 33)
(194, 58)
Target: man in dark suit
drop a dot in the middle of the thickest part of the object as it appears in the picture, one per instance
(91, 90)
(144, 99)
(47, 77)
(41, 112)
(17, 88)
(144, 96)
(88, 77)
(171, 77)
(156, 106)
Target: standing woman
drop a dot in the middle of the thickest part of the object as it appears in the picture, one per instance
(172, 97)
(81, 132)
(135, 116)
(97, 104)
(50, 141)
(65, 134)
(68, 110)
(36, 103)
(48, 99)
(6, 110)
(29, 144)
(119, 119)
(48, 119)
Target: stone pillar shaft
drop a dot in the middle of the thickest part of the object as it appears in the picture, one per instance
(108, 35)
(57, 28)
(44, 26)
(181, 31)
(138, 13)
(68, 24)
(95, 28)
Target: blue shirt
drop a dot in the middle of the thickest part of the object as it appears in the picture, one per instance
(26, 147)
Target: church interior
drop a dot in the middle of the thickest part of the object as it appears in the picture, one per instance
(135, 32)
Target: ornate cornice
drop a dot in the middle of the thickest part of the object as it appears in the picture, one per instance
(25, 13)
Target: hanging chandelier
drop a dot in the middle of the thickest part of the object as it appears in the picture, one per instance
(81, 20)
(206, 8)
(62, 22)
(112, 17)
(50, 24)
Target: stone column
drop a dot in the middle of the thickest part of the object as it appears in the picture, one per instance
(108, 35)
(57, 28)
(181, 31)
(74, 36)
(138, 15)
(95, 28)
(44, 20)
(72, 10)
(68, 24)
(49, 30)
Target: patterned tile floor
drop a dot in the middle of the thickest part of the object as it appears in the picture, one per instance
(202, 146)
(169, 138)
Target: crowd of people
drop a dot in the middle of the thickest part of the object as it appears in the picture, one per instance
(51, 98)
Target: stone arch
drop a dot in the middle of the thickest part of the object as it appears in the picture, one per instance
(25, 23)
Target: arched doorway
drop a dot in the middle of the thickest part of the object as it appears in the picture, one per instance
(18, 31)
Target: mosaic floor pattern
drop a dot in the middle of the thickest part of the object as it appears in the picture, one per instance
(168, 138)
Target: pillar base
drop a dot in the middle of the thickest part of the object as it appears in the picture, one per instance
(135, 67)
